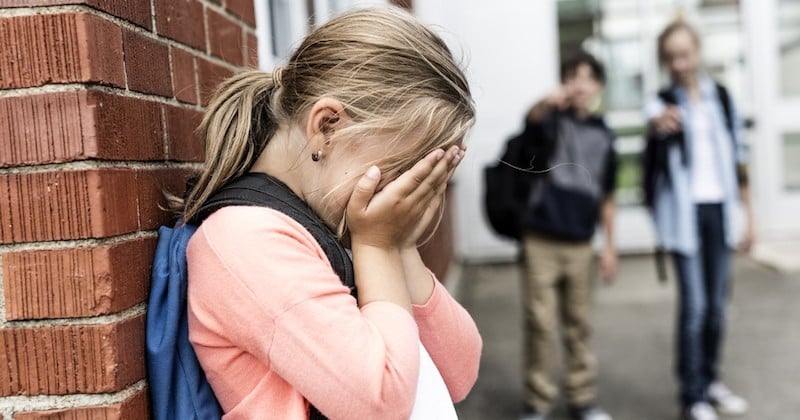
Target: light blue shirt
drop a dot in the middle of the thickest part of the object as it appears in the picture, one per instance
(674, 212)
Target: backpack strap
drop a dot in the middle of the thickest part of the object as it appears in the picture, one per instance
(742, 176)
(260, 189)
(667, 95)
(725, 101)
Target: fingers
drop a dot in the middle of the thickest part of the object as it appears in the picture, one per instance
(365, 189)
(670, 121)
(436, 182)
(410, 180)
(558, 99)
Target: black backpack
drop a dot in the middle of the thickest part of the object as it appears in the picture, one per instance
(508, 181)
(177, 385)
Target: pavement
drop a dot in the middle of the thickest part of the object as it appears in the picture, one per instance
(633, 340)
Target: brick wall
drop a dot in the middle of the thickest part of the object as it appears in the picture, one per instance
(98, 101)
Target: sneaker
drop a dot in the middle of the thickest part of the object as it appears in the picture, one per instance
(589, 412)
(725, 401)
(700, 411)
(530, 413)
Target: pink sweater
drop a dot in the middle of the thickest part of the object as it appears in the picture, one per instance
(274, 327)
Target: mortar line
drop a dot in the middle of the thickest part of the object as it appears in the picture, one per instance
(17, 404)
(84, 165)
(76, 243)
(107, 319)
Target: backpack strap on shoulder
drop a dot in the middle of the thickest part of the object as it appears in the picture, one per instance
(260, 189)
(742, 176)
(725, 101)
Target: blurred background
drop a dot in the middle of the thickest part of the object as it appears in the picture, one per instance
(511, 50)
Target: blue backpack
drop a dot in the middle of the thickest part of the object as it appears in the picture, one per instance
(177, 384)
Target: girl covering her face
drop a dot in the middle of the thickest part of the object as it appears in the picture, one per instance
(364, 123)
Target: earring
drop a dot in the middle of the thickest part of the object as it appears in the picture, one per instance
(316, 156)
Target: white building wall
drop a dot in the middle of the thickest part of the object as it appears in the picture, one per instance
(510, 52)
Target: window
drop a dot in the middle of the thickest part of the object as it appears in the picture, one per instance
(789, 44)
(791, 161)
(280, 23)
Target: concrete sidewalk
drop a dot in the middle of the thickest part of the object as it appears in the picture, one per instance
(633, 336)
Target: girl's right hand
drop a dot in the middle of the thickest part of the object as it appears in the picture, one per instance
(389, 218)
(669, 122)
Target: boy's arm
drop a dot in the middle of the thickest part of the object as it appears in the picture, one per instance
(555, 100)
(608, 211)
(608, 259)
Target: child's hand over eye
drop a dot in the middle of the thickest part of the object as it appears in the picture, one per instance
(425, 226)
(397, 216)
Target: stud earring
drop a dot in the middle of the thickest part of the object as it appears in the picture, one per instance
(316, 156)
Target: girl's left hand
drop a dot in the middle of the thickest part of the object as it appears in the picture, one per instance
(426, 224)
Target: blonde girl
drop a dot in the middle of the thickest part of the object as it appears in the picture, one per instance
(364, 123)
(693, 208)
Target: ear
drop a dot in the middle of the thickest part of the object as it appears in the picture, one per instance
(325, 117)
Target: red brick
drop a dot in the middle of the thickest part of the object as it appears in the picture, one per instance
(69, 359)
(126, 128)
(251, 49)
(67, 126)
(147, 64)
(43, 128)
(181, 20)
(137, 12)
(244, 9)
(184, 76)
(210, 75)
(50, 206)
(62, 48)
(182, 142)
(152, 187)
(225, 38)
(77, 282)
(134, 407)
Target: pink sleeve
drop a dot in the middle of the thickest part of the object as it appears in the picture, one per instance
(451, 337)
(277, 297)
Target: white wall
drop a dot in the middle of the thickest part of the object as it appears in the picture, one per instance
(510, 52)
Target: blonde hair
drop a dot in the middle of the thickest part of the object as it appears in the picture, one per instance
(679, 24)
(393, 76)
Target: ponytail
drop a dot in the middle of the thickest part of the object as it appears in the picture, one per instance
(236, 126)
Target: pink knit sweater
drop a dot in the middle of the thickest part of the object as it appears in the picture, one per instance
(274, 328)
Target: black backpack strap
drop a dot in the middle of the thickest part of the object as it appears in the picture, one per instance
(259, 189)
(668, 96)
(742, 176)
(727, 109)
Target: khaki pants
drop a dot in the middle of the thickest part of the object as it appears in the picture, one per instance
(557, 286)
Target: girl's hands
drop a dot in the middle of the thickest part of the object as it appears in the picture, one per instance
(425, 226)
(398, 215)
